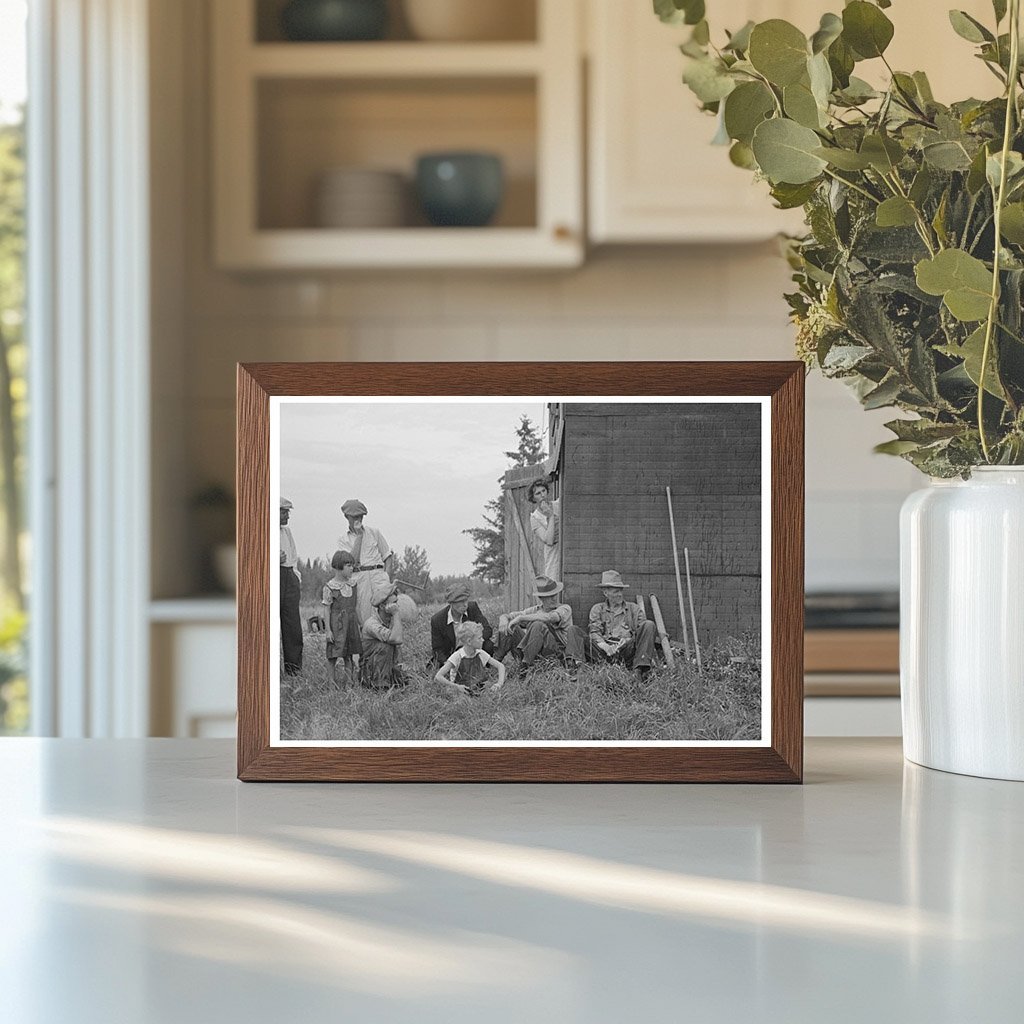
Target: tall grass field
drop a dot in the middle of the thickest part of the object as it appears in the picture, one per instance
(601, 703)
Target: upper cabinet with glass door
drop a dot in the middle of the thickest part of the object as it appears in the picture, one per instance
(376, 134)
(653, 174)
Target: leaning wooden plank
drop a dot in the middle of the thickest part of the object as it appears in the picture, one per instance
(518, 520)
(679, 578)
(693, 618)
(659, 623)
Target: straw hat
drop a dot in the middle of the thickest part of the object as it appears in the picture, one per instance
(547, 587)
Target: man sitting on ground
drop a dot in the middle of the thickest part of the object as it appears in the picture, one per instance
(443, 624)
(382, 636)
(619, 631)
(542, 629)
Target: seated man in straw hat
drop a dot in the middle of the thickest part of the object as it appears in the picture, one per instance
(443, 624)
(619, 631)
(382, 634)
(542, 629)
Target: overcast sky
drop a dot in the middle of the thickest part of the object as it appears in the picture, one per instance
(424, 471)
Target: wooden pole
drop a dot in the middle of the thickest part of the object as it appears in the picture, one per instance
(659, 622)
(693, 618)
(679, 578)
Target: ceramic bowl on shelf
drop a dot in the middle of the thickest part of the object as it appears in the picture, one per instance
(361, 198)
(332, 21)
(460, 189)
(468, 20)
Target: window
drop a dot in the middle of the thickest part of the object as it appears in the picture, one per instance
(14, 704)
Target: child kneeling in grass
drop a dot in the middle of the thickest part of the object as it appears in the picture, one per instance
(466, 669)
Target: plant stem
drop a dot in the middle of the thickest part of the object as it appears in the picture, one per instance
(855, 187)
(993, 308)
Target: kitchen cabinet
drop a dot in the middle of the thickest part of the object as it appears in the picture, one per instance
(287, 113)
(653, 175)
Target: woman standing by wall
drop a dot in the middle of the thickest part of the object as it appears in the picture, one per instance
(544, 522)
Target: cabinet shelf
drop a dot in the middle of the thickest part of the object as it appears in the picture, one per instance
(286, 114)
(392, 60)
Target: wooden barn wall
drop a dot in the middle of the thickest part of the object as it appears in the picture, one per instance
(521, 562)
(616, 463)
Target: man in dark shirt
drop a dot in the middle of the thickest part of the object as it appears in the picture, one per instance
(442, 624)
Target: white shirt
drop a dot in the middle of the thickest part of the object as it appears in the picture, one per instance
(452, 621)
(374, 547)
(289, 555)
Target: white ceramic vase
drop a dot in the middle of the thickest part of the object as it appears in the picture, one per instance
(962, 624)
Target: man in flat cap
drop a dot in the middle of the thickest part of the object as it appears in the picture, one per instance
(542, 629)
(291, 624)
(380, 667)
(442, 624)
(373, 555)
(620, 631)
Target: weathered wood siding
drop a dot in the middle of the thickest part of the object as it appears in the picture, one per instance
(616, 463)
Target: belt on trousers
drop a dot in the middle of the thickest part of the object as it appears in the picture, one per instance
(363, 568)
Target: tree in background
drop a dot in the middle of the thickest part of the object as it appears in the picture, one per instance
(413, 567)
(489, 563)
(13, 397)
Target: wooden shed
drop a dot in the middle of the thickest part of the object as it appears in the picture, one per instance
(610, 464)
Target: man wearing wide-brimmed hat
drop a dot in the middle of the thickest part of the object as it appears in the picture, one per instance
(383, 632)
(542, 629)
(291, 623)
(459, 608)
(619, 631)
(373, 555)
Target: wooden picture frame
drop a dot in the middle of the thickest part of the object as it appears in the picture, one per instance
(779, 758)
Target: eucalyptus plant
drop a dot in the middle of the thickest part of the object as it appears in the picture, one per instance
(909, 279)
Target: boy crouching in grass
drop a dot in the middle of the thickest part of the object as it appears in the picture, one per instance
(466, 669)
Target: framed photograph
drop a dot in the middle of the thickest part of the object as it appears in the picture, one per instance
(520, 572)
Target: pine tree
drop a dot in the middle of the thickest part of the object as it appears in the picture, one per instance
(489, 563)
(413, 567)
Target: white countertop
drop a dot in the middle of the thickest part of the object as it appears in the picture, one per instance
(143, 884)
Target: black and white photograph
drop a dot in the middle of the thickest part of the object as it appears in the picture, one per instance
(520, 571)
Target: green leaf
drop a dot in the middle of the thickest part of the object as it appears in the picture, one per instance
(800, 105)
(896, 212)
(883, 153)
(976, 174)
(923, 431)
(745, 108)
(841, 60)
(946, 156)
(963, 281)
(742, 155)
(924, 88)
(895, 447)
(921, 185)
(968, 28)
(885, 394)
(866, 29)
(676, 12)
(739, 41)
(820, 76)
(785, 152)
(844, 159)
(789, 197)
(971, 352)
(999, 7)
(1012, 223)
(1014, 169)
(778, 50)
(829, 30)
(707, 80)
(701, 33)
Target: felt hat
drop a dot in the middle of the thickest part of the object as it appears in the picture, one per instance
(456, 592)
(544, 586)
(611, 578)
(285, 503)
(354, 507)
(382, 593)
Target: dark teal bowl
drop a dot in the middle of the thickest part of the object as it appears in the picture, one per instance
(334, 21)
(460, 190)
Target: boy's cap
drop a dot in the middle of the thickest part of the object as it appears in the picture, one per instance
(353, 507)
